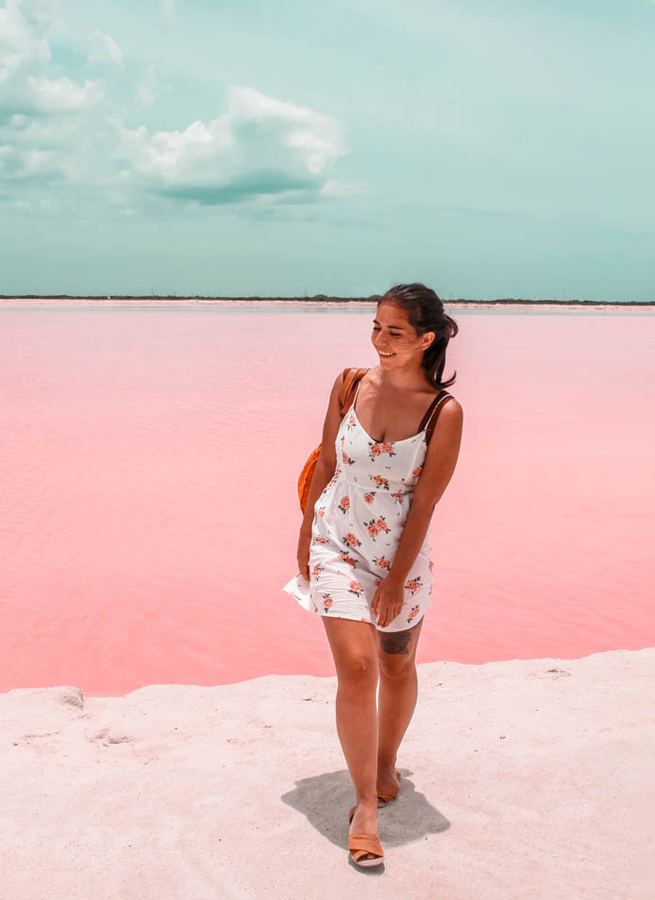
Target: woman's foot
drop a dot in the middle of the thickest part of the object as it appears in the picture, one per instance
(365, 821)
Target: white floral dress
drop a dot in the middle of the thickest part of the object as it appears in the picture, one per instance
(358, 523)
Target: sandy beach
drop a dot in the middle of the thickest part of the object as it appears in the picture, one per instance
(520, 779)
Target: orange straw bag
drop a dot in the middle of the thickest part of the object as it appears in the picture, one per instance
(351, 377)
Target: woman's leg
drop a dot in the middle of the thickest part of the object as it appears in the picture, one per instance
(355, 655)
(397, 696)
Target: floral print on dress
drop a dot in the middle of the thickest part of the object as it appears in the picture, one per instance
(377, 449)
(352, 540)
(358, 526)
(346, 460)
(413, 585)
(346, 557)
(380, 481)
(375, 526)
(344, 504)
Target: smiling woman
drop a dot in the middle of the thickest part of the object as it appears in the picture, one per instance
(363, 552)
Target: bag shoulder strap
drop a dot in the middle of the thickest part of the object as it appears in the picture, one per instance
(351, 378)
(432, 414)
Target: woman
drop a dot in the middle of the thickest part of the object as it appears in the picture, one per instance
(363, 550)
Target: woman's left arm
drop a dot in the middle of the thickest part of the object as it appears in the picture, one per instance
(438, 467)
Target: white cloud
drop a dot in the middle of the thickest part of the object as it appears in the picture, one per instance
(260, 147)
(25, 85)
(175, 157)
(104, 47)
(20, 45)
(53, 129)
(61, 94)
(317, 137)
(45, 119)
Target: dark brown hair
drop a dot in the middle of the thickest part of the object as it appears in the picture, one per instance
(425, 313)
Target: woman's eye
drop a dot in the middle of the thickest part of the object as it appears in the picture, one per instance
(393, 334)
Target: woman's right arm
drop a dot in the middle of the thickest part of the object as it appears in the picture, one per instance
(327, 459)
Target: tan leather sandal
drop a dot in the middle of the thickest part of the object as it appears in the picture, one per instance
(387, 792)
(361, 845)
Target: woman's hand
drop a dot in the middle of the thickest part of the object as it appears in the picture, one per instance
(304, 541)
(388, 600)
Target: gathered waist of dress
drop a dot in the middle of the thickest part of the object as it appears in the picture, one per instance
(379, 483)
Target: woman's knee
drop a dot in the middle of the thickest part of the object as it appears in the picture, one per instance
(353, 648)
(358, 666)
(397, 667)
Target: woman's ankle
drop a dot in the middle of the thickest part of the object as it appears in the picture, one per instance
(368, 803)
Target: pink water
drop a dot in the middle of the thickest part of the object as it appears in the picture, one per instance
(148, 470)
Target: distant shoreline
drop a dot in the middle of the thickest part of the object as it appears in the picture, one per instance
(318, 301)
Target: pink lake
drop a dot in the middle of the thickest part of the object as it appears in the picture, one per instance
(148, 471)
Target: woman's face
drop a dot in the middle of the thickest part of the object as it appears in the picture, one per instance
(392, 334)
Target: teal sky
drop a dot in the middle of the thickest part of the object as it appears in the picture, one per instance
(489, 149)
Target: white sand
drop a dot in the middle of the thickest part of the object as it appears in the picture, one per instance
(522, 780)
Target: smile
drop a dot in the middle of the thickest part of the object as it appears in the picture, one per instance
(386, 354)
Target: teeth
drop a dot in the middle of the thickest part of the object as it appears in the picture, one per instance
(386, 354)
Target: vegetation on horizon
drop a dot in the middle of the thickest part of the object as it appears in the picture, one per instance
(318, 298)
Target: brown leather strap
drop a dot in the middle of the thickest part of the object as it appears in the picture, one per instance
(435, 407)
(351, 378)
(426, 417)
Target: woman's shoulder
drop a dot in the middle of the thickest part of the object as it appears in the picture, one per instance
(340, 380)
(357, 370)
(451, 407)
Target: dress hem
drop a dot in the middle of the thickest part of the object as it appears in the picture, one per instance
(308, 605)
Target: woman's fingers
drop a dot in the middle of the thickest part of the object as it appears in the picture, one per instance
(388, 616)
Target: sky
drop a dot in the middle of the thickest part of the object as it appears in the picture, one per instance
(488, 149)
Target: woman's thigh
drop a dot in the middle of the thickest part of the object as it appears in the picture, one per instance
(353, 646)
(396, 650)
